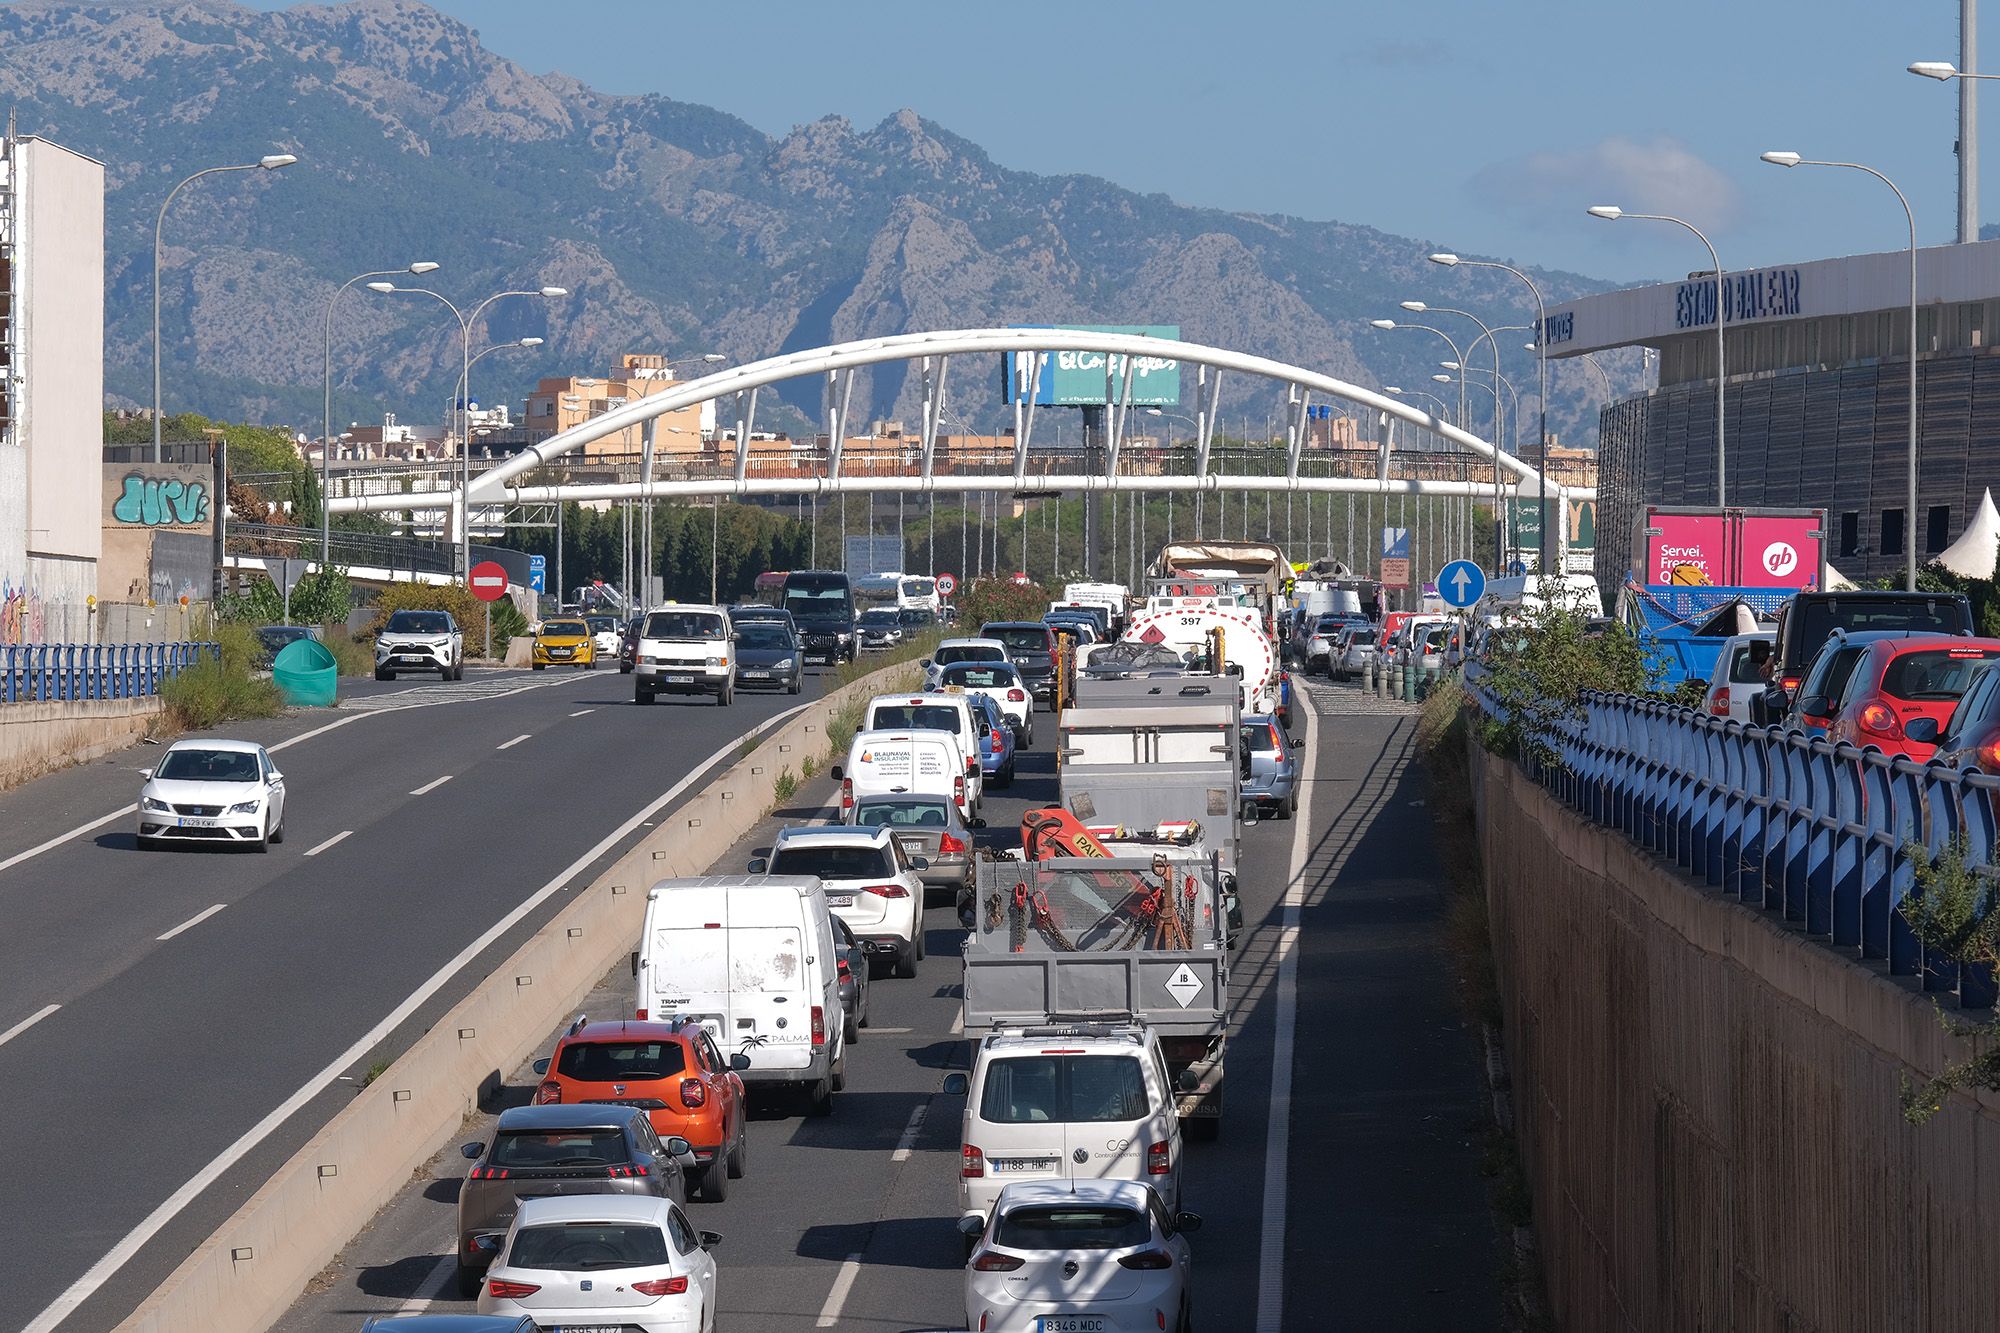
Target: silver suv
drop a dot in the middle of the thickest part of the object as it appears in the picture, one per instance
(420, 641)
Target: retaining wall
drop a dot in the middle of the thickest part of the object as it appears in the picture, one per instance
(1707, 1102)
(36, 738)
(251, 1270)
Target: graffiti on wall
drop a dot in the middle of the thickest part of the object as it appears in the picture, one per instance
(156, 502)
(22, 615)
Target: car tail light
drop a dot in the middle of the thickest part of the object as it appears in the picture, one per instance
(1147, 1259)
(640, 1014)
(1157, 1163)
(548, 1094)
(886, 890)
(947, 844)
(958, 791)
(991, 1262)
(693, 1093)
(971, 1162)
(633, 1172)
(1718, 703)
(971, 765)
(1789, 683)
(843, 970)
(1989, 756)
(819, 1026)
(489, 1173)
(502, 1288)
(846, 794)
(1017, 696)
(662, 1286)
(1880, 719)
(1277, 741)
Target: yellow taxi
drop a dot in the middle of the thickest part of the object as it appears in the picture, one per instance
(564, 642)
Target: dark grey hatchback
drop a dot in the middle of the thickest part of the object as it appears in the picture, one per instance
(547, 1150)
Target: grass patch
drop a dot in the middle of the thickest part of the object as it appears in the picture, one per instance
(350, 656)
(217, 690)
(375, 1071)
(809, 767)
(786, 786)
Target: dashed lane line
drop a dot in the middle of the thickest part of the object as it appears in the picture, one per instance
(843, 1283)
(508, 745)
(192, 921)
(431, 786)
(581, 711)
(906, 1144)
(338, 837)
(27, 1023)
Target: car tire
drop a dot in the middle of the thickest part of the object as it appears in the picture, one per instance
(1283, 810)
(1028, 736)
(819, 1098)
(380, 674)
(906, 961)
(715, 1181)
(469, 1282)
(850, 1026)
(739, 1151)
(147, 844)
(278, 833)
(538, 666)
(624, 670)
(641, 695)
(798, 683)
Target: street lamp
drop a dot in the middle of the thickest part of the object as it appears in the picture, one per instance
(1968, 120)
(269, 162)
(421, 267)
(1487, 335)
(1611, 213)
(465, 323)
(1787, 159)
(1449, 260)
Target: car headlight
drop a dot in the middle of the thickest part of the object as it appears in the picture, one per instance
(783, 664)
(244, 808)
(718, 661)
(154, 803)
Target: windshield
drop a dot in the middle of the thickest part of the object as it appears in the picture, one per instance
(1072, 1228)
(881, 618)
(832, 862)
(822, 596)
(208, 766)
(1019, 639)
(618, 1061)
(418, 622)
(1059, 1089)
(968, 652)
(915, 615)
(979, 676)
(275, 637)
(572, 1246)
(560, 629)
(526, 1149)
(766, 636)
(1934, 675)
(903, 814)
(684, 625)
(920, 717)
(602, 624)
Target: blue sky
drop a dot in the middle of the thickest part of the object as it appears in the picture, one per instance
(1482, 125)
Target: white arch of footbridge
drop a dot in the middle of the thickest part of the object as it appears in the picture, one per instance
(835, 367)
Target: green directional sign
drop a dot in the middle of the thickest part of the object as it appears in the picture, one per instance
(1077, 379)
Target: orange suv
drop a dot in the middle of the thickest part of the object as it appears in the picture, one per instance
(673, 1072)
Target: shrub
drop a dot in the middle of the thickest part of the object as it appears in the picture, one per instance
(319, 598)
(1950, 911)
(786, 785)
(1539, 669)
(1001, 599)
(350, 655)
(221, 689)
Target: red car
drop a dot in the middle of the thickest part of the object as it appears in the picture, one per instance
(1899, 680)
(671, 1070)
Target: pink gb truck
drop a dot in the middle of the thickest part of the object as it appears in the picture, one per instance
(1766, 549)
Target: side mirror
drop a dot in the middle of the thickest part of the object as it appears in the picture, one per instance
(971, 1228)
(1187, 1221)
(759, 866)
(472, 1152)
(276, 776)
(1298, 743)
(920, 863)
(488, 1243)
(956, 1084)
(1816, 704)
(835, 773)
(541, 1066)
(1922, 730)
(924, 662)
(1233, 911)
(1249, 814)
(739, 1062)
(711, 1239)
(1187, 1081)
(977, 821)
(678, 1147)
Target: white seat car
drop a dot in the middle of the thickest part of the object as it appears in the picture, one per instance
(1103, 1255)
(999, 682)
(604, 1261)
(1738, 675)
(961, 650)
(213, 791)
(870, 882)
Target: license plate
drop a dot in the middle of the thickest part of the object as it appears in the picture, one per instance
(187, 822)
(840, 900)
(1004, 1166)
(912, 845)
(755, 675)
(820, 658)
(1070, 1323)
(680, 680)
(413, 657)
(620, 1328)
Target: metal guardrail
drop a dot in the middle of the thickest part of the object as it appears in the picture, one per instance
(60, 672)
(1786, 823)
(369, 549)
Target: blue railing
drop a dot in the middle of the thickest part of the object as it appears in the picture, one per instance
(1802, 827)
(51, 672)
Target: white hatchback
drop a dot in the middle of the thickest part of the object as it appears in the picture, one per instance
(1102, 1255)
(213, 791)
(870, 882)
(627, 1262)
(999, 682)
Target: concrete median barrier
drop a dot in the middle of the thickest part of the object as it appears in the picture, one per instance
(245, 1275)
(37, 738)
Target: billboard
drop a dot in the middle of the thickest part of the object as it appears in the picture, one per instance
(1077, 379)
(873, 555)
(1737, 548)
(1525, 522)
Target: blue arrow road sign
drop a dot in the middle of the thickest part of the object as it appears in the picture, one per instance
(538, 573)
(1461, 583)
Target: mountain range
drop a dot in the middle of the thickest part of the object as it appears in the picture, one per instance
(676, 227)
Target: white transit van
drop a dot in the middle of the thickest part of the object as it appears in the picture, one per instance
(751, 958)
(897, 762)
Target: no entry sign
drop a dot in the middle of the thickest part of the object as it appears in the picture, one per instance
(488, 580)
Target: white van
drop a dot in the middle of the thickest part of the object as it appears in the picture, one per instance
(750, 958)
(1064, 1102)
(895, 762)
(938, 710)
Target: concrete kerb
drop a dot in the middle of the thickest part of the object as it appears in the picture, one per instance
(245, 1275)
(38, 738)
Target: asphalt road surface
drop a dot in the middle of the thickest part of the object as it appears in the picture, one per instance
(156, 1007)
(1367, 1212)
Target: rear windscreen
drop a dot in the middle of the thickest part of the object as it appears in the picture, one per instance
(1054, 1089)
(967, 653)
(1927, 615)
(903, 814)
(1743, 667)
(619, 1061)
(1020, 640)
(1933, 675)
(1072, 1228)
(832, 862)
(915, 717)
(980, 677)
(588, 1245)
(529, 1149)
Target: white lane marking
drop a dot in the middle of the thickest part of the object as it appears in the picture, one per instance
(27, 1023)
(889, 1032)
(432, 1287)
(581, 711)
(343, 834)
(508, 745)
(156, 1221)
(909, 1139)
(843, 1282)
(62, 838)
(432, 785)
(1278, 1129)
(192, 921)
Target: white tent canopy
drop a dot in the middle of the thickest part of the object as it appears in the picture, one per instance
(1977, 550)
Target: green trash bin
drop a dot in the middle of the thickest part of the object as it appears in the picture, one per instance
(306, 674)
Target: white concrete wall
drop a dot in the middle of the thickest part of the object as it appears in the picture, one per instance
(61, 281)
(13, 519)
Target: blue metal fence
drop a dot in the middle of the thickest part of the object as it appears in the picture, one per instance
(48, 672)
(1802, 827)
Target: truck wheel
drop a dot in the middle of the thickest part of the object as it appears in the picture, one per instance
(469, 1281)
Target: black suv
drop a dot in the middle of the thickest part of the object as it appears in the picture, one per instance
(1806, 621)
(1031, 646)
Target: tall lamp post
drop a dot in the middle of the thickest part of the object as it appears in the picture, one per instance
(1968, 119)
(1910, 512)
(419, 268)
(465, 322)
(1449, 260)
(269, 162)
(1611, 213)
(1485, 335)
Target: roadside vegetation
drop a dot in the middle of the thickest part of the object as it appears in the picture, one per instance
(467, 610)
(1951, 912)
(223, 688)
(1539, 670)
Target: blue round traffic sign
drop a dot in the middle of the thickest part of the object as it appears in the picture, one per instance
(1461, 583)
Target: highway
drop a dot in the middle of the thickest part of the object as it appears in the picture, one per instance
(184, 1020)
(1363, 1208)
